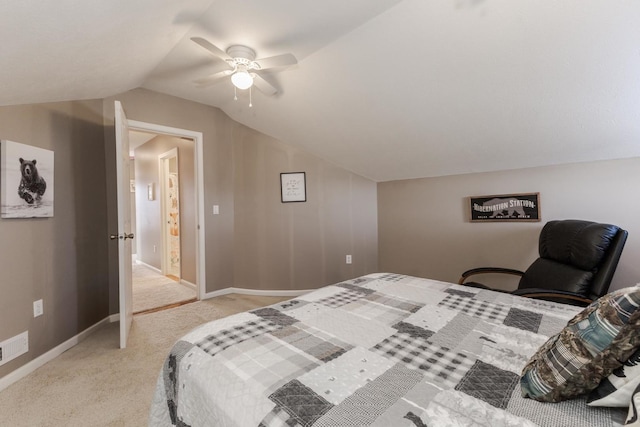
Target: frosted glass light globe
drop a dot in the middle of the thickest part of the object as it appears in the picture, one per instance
(242, 80)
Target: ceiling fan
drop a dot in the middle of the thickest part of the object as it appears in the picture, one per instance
(243, 67)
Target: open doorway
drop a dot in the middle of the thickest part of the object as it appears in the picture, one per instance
(167, 253)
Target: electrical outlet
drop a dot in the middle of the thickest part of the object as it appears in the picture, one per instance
(38, 308)
(348, 259)
(154, 249)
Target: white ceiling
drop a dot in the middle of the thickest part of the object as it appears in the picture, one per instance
(389, 89)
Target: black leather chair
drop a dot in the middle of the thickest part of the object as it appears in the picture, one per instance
(576, 264)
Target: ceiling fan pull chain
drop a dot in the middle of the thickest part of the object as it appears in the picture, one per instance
(250, 103)
(235, 94)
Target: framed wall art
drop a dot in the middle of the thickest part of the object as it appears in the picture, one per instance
(505, 207)
(27, 181)
(293, 187)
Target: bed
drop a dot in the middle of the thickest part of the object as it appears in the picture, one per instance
(379, 350)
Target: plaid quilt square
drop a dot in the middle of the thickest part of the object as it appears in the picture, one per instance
(377, 312)
(296, 406)
(356, 288)
(476, 308)
(460, 293)
(265, 363)
(413, 330)
(432, 318)
(523, 319)
(368, 403)
(215, 343)
(439, 364)
(341, 298)
(340, 378)
(399, 304)
(312, 345)
(489, 383)
(390, 277)
(275, 316)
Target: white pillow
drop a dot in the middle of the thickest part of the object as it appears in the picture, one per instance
(617, 388)
(632, 417)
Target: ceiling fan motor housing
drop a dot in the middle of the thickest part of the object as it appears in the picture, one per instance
(242, 55)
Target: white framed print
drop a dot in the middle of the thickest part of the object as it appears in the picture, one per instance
(27, 181)
(293, 187)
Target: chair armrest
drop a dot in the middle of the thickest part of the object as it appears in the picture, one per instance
(488, 270)
(553, 295)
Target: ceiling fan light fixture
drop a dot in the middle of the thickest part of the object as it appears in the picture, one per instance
(242, 79)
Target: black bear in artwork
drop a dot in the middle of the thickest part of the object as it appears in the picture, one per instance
(32, 185)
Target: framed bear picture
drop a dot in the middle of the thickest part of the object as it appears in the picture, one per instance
(26, 177)
(505, 208)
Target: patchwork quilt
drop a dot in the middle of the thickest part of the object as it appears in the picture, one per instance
(380, 350)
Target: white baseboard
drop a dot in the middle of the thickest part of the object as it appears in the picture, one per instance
(257, 292)
(39, 361)
(189, 284)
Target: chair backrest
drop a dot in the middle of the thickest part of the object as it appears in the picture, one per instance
(576, 256)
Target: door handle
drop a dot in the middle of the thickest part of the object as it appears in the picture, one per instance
(124, 236)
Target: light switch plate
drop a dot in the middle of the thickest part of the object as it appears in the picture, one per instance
(38, 308)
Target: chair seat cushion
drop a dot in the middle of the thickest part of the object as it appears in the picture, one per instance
(549, 274)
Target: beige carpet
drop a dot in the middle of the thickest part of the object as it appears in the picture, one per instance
(96, 384)
(151, 289)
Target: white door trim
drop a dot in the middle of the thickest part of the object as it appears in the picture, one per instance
(198, 138)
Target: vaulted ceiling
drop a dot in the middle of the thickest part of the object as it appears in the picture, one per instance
(390, 89)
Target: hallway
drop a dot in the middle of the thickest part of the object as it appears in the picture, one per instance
(152, 290)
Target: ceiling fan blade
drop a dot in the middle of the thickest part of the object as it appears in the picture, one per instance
(213, 78)
(277, 61)
(263, 85)
(216, 51)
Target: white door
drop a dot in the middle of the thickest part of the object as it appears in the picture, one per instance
(124, 223)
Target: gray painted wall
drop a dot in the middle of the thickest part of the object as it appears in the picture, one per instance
(298, 245)
(256, 242)
(62, 260)
(424, 229)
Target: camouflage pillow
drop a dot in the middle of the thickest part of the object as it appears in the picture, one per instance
(594, 343)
